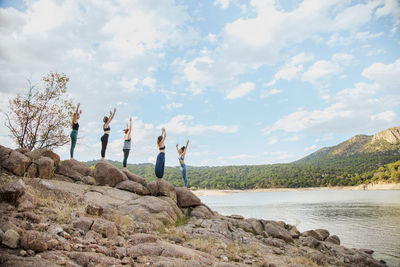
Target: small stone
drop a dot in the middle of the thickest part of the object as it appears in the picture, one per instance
(224, 258)
(33, 240)
(83, 223)
(23, 253)
(30, 252)
(11, 238)
(12, 191)
(94, 209)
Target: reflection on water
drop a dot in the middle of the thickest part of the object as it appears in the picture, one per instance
(361, 219)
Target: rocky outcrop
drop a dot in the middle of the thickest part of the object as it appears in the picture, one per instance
(391, 135)
(186, 198)
(16, 163)
(107, 174)
(135, 178)
(160, 187)
(74, 169)
(60, 223)
(133, 187)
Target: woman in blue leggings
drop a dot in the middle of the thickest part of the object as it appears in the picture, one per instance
(182, 154)
(75, 128)
(159, 168)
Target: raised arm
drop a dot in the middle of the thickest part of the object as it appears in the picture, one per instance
(177, 149)
(130, 127)
(77, 109)
(110, 118)
(187, 144)
(75, 116)
(164, 134)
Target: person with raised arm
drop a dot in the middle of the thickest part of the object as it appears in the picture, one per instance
(75, 128)
(106, 129)
(182, 154)
(127, 143)
(160, 163)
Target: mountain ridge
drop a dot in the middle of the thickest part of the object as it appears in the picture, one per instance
(386, 141)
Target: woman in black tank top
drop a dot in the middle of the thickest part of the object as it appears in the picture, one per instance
(106, 129)
(75, 128)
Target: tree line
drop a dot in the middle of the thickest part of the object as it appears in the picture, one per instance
(334, 171)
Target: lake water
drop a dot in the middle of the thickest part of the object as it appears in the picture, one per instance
(361, 219)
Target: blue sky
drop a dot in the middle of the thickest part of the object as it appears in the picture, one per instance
(248, 82)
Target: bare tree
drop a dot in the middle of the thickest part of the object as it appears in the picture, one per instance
(39, 119)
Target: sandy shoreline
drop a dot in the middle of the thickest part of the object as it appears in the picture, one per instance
(215, 192)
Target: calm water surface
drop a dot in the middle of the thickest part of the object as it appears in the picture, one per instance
(361, 219)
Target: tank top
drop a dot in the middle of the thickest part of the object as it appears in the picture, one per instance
(75, 126)
(127, 144)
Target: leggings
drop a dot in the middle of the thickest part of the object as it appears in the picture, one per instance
(74, 138)
(159, 169)
(184, 171)
(126, 154)
(104, 142)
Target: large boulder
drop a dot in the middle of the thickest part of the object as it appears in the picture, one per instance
(186, 198)
(74, 169)
(16, 163)
(333, 239)
(107, 174)
(45, 166)
(41, 152)
(159, 208)
(314, 234)
(160, 187)
(202, 212)
(4, 152)
(12, 191)
(275, 230)
(133, 187)
(33, 240)
(136, 178)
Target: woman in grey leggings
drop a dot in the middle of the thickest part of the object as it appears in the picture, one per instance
(127, 143)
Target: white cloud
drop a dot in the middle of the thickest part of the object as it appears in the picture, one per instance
(293, 138)
(293, 67)
(387, 116)
(387, 75)
(310, 148)
(242, 90)
(272, 140)
(324, 69)
(222, 3)
(391, 7)
(319, 70)
(149, 82)
(131, 85)
(267, 93)
(180, 124)
(352, 110)
(174, 105)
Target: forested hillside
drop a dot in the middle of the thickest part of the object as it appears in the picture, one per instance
(361, 159)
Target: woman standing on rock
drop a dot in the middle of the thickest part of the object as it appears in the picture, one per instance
(106, 128)
(127, 143)
(159, 168)
(75, 128)
(182, 154)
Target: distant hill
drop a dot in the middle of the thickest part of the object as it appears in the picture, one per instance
(386, 142)
(361, 159)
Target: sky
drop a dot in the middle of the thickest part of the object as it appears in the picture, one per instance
(248, 82)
